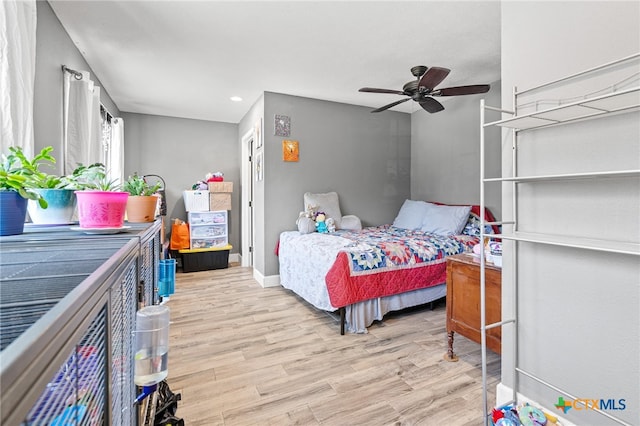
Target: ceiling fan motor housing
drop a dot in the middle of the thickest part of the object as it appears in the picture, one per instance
(418, 70)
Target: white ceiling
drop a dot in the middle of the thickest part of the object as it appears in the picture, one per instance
(187, 58)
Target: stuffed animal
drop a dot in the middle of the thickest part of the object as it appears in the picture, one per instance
(215, 177)
(331, 224)
(310, 212)
(307, 220)
(200, 186)
(321, 226)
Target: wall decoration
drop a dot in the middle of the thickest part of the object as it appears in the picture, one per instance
(282, 126)
(259, 167)
(257, 134)
(290, 151)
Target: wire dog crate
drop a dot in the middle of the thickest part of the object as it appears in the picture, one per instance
(67, 312)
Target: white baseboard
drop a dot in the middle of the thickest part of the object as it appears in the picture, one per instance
(266, 281)
(504, 395)
(271, 281)
(235, 257)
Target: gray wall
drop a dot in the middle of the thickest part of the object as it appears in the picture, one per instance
(183, 151)
(54, 48)
(364, 157)
(445, 152)
(578, 310)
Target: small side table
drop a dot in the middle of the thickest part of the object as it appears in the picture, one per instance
(463, 301)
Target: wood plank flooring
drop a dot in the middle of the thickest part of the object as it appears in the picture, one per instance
(241, 354)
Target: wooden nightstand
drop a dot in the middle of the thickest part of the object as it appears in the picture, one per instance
(463, 301)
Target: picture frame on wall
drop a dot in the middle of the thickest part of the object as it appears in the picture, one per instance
(259, 167)
(282, 125)
(290, 151)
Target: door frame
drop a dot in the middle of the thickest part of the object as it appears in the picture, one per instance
(247, 217)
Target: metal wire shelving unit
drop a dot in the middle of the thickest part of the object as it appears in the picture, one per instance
(590, 107)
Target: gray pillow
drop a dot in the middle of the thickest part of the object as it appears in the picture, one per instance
(445, 220)
(411, 214)
(327, 203)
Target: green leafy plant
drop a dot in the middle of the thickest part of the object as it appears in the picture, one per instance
(136, 185)
(18, 173)
(91, 177)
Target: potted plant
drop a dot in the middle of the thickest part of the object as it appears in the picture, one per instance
(143, 200)
(17, 183)
(101, 204)
(59, 195)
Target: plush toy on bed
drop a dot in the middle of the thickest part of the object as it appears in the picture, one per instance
(307, 220)
(321, 226)
(331, 224)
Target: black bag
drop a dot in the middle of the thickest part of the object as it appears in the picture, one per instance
(167, 406)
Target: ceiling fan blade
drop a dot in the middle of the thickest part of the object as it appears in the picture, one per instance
(374, 90)
(391, 105)
(462, 90)
(433, 77)
(431, 105)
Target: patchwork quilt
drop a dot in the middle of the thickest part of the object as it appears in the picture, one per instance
(382, 261)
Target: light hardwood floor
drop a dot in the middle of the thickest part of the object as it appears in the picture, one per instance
(241, 354)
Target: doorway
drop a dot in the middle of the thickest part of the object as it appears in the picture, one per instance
(247, 179)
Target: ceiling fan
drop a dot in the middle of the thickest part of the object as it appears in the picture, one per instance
(423, 88)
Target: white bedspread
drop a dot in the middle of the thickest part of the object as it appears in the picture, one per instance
(305, 276)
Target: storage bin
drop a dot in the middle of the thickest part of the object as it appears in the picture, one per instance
(220, 201)
(196, 260)
(196, 201)
(208, 218)
(206, 243)
(208, 231)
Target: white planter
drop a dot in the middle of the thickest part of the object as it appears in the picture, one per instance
(60, 210)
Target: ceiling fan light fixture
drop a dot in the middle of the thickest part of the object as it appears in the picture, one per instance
(423, 88)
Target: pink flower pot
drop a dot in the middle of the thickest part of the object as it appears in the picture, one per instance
(101, 209)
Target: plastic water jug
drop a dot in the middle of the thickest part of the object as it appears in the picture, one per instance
(152, 345)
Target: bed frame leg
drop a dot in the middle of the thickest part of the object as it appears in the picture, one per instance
(342, 320)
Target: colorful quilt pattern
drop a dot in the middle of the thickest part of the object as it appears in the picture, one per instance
(386, 248)
(383, 261)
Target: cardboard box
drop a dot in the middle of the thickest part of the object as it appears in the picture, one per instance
(220, 186)
(219, 201)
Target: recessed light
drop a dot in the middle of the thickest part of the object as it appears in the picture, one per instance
(236, 98)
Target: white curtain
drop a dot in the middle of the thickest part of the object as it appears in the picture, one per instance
(81, 115)
(17, 73)
(115, 153)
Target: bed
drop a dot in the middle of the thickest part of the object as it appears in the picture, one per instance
(364, 274)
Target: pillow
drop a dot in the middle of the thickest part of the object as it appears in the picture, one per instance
(472, 227)
(327, 203)
(351, 222)
(445, 220)
(306, 225)
(411, 214)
